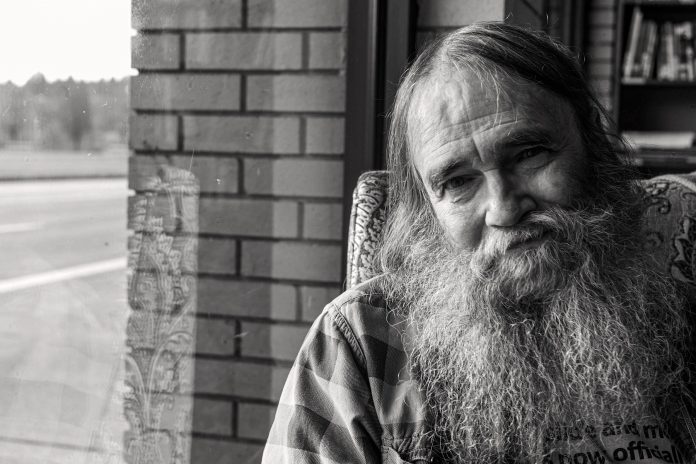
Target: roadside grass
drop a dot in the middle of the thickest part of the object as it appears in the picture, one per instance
(35, 164)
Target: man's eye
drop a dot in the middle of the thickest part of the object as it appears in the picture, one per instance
(455, 183)
(531, 153)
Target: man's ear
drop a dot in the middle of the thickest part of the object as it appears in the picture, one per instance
(597, 117)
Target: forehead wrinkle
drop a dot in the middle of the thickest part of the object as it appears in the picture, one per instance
(441, 111)
(437, 116)
(441, 158)
(464, 132)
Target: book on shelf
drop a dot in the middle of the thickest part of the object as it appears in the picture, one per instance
(659, 139)
(648, 51)
(662, 50)
(633, 37)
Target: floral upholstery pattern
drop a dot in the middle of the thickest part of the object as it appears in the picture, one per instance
(670, 225)
(367, 218)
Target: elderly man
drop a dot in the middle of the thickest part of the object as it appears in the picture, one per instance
(517, 318)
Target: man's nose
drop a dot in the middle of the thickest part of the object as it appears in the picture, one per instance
(508, 202)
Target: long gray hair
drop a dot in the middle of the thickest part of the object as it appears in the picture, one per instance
(490, 49)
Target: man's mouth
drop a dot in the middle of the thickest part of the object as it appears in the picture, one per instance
(529, 241)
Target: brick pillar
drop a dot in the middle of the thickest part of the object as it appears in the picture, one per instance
(249, 96)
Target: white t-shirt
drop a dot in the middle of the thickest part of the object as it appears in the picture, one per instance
(614, 442)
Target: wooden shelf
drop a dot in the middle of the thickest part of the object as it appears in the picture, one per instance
(652, 104)
(634, 82)
(651, 3)
(663, 158)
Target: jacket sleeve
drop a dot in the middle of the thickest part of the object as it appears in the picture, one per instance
(326, 414)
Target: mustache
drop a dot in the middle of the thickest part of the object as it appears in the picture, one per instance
(571, 226)
(550, 224)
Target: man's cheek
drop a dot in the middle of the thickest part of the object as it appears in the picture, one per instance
(560, 184)
(461, 226)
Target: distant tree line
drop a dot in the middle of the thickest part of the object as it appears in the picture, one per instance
(64, 114)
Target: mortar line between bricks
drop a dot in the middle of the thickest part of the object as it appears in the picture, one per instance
(176, 30)
(182, 51)
(233, 419)
(256, 113)
(223, 397)
(238, 155)
(266, 280)
(241, 178)
(242, 92)
(217, 274)
(278, 280)
(255, 320)
(300, 219)
(226, 439)
(251, 72)
(238, 257)
(180, 133)
(213, 436)
(273, 280)
(246, 196)
(237, 339)
(303, 135)
(271, 362)
(300, 240)
(253, 279)
(245, 14)
(305, 50)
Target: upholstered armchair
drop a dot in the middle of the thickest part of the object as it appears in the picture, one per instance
(670, 225)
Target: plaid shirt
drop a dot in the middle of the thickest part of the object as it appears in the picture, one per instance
(349, 397)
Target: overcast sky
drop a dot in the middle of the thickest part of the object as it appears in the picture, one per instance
(85, 39)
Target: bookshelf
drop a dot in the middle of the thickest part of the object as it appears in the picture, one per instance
(655, 78)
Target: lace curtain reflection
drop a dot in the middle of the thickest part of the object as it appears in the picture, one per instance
(161, 327)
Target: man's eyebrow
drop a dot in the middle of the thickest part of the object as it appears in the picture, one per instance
(526, 137)
(440, 173)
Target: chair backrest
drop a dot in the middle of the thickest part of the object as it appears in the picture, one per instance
(670, 225)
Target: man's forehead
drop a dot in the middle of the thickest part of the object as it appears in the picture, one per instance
(463, 101)
(446, 95)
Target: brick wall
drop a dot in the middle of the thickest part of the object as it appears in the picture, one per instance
(599, 51)
(248, 95)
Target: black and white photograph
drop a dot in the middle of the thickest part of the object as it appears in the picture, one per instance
(347, 232)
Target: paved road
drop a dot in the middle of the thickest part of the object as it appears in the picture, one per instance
(62, 320)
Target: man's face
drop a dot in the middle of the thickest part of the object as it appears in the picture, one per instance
(488, 159)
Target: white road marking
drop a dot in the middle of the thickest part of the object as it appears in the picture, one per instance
(20, 227)
(60, 275)
(50, 192)
(54, 187)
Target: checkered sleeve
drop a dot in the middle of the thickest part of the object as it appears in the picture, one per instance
(326, 414)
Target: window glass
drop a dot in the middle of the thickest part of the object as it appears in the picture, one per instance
(63, 196)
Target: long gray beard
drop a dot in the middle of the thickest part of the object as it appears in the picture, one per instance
(510, 346)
